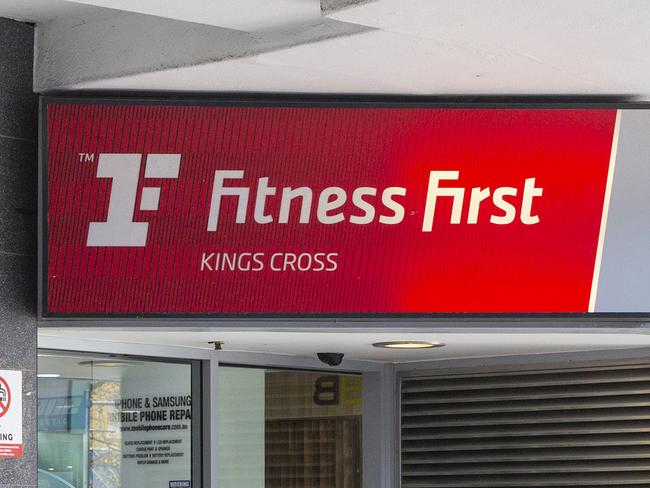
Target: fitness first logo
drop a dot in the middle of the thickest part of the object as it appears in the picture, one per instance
(364, 205)
(119, 229)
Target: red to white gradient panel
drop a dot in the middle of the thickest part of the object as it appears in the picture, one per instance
(155, 209)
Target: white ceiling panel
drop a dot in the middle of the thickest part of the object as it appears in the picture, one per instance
(357, 344)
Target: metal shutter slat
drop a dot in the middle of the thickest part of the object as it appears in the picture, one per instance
(554, 404)
(529, 480)
(539, 454)
(521, 380)
(591, 415)
(529, 393)
(525, 442)
(416, 427)
(532, 467)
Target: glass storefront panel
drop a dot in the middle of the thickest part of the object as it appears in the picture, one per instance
(289, 429)
(107, 422)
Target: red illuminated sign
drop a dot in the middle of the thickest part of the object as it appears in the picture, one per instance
(184, 209)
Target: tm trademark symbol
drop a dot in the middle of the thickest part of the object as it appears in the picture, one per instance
(86, 158)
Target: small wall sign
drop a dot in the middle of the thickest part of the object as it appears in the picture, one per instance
(11, 414)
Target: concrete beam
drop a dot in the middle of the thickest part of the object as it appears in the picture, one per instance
(331, 6)
(246, 15)
(110, 44)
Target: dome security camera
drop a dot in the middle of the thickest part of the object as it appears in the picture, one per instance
(330, 358)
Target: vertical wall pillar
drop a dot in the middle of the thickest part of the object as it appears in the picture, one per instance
(18, 205)
(380, 431)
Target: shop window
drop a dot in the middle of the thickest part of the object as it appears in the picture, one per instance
(107, 422)
(289, 429)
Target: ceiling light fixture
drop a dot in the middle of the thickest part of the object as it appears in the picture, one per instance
(48, 375)
(407, 345)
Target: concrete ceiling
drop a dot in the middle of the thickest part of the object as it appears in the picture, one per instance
(432, 47)
(357, 344)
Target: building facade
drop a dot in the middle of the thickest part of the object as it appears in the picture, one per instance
(357, 288)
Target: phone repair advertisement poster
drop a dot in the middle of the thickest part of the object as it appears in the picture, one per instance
(11, 414)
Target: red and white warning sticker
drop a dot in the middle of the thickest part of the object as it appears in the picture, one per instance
(11, 414)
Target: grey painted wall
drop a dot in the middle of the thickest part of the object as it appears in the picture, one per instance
(18, 203)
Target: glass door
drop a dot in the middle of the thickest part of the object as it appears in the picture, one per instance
(289, 429)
